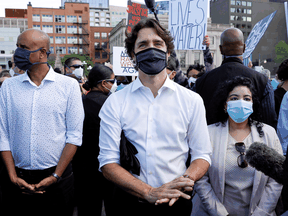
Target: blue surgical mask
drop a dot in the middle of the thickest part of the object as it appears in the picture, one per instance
(239, 110)
(22, 58)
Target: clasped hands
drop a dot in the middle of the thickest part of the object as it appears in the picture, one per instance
(171, 191)
(33, 188)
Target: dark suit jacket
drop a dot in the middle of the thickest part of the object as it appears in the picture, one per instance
(207, 85)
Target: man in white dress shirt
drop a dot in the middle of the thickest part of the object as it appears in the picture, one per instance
(41, 120)
(164, 121)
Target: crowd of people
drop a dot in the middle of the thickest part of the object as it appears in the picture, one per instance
(164, 144)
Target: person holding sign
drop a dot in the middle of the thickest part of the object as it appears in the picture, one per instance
(232, 47)
(145, 110)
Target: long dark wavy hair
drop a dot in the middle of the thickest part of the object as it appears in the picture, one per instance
(221, 96)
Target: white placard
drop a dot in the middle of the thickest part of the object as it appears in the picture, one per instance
(122, 65)
(188, 23)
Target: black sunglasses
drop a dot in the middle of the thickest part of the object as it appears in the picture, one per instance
(77, 66)
(108, 80)
(240, 147)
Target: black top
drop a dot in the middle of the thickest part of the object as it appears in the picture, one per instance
(278, 96)
(87, 154)
(207, 85)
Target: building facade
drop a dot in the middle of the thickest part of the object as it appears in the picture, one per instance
(99, 44)
(67, 27)
(92, 3)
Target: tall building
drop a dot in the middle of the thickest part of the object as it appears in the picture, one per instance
(92, 3)
(67, 27)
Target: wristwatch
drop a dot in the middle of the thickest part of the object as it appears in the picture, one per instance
(57, 177)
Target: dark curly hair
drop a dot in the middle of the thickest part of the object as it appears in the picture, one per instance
(147, 23)
(198, 67)
(282, 71)
(221, 96)
(98, 72)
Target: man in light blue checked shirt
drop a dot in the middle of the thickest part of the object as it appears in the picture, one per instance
(41, 120)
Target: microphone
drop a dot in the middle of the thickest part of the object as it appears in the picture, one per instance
(267, 160)
(151, 5)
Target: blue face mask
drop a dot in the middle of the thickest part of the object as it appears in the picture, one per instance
(22, 58)
(239, 110)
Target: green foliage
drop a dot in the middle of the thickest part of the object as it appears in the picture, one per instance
(85, 58)
(281, 50)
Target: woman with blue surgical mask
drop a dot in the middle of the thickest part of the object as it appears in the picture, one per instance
(231, 186)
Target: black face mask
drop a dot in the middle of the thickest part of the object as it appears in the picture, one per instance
(151, 61)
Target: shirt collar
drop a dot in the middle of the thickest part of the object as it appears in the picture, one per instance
(49, 76)
(167, 84)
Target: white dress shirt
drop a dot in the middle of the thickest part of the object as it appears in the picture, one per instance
(282, 126)
(36, 122)
(162, 129)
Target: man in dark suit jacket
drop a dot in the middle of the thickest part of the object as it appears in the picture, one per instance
(232, 47)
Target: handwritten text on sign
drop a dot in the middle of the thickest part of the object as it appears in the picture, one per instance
(122, 65)
(136, 12)
(256, 34)
(188, 23)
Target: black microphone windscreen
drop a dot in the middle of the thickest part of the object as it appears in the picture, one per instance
(150, 4)
(267, 160)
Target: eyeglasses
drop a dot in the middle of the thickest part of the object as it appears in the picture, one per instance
(108, 80)
(77, 66)
(240, 147)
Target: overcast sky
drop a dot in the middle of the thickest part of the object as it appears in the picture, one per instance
(45, 3)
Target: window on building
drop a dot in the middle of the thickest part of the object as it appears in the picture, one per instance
(97, 14)
(47, 18)
(249, 19)
(102, 19)
(91, 19)
(80, 19)
(97, 35)
(232, 10)
(107, 15)
(97, 45)
(249, 11)
(104, 55)
(104, 45)
(97, 54)
(212, 40)
(232, 2)
(104, 35)
(51, 40)
(232, 17)
(36, 27)
(59, 18)
(237, 25)
(72, 50)
(2, 51)
(238, 10)
(92, 23)
(72, 40)
(107, 24)
(71, 29)
(243, 26)
(71, 19)
(249, 26)
(197, 58)
(97, 19)
(36, 18)
(61, 50)
(244, 18)
(238, 2)
(249, 4)
(47, 28)
(102, 14)
(102, 24)
(91, 13)
(59, 29)
(52, 50)
(107, 19)
(243, 3)
(97, 24)
(20, 23)
(244, 10)
(60, 40)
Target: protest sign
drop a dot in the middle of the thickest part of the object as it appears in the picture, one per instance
(188, 23)
(122, 64)
(136, 12)
(286, 15)
(256, 34)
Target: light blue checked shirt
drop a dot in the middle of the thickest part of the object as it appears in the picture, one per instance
(36, 122)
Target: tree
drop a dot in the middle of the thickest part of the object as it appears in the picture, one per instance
(281, 50)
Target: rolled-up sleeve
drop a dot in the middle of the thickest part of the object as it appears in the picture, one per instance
(74, 116)
(4, 136)
(282, 127)
(198, 135)
(110, 131)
